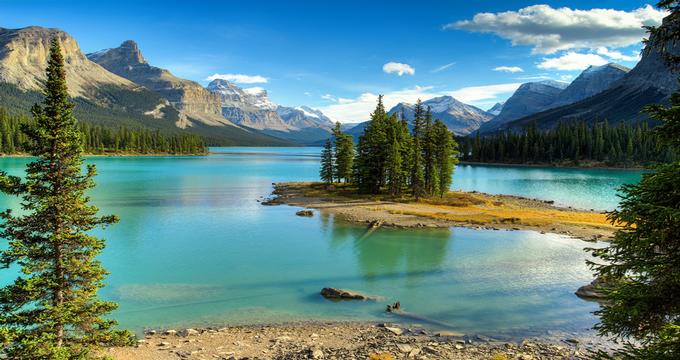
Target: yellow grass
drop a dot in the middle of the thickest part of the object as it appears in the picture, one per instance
(471, 208)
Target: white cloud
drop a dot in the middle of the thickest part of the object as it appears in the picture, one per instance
(510, 69)
(572, 61)
(359, 109)
(307, 93)
(328, 97)
(398, 68)
(239, 78)
(255, 90)
(443, 67)
(549, 30)
(477, 94)
(617, 55)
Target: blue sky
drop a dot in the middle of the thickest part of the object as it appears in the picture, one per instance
(337, 56)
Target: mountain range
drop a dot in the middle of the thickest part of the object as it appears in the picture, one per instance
(118, 87)
(616, 94)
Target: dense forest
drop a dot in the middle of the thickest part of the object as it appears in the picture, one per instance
(392, 159)
(624, 145)
(105, 140)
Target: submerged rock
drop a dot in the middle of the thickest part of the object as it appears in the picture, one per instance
(341, 294)
(306, 213)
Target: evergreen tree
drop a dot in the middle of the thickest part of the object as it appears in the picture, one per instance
(446, 150)
(429, 154)
(326, 172)
(51, 311)
(393, 162)
(371, 152)
(344, 154)
(417, 170)
(641, 266)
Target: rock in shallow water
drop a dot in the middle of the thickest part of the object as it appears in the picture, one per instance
(307, 213)
(341, 294)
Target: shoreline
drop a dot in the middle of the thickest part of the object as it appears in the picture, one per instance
(458, 209)
(110, 155)
(348, 340)
(556, 166)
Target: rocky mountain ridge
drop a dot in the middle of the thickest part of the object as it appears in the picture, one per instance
(193, 101)
(459, 117)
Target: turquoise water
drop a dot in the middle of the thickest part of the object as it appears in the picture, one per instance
(194, 247)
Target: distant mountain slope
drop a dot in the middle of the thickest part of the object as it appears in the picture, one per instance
(651, 81)
(460, 118)
(592, 81)
(252, 108)
(496, 108)
(303, 117)
(528, 99)
(101, 97)
(193, 101)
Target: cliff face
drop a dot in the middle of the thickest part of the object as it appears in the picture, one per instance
(529, 98)
(592, 81)
(247, 107)
(23, 59)
(193, 101)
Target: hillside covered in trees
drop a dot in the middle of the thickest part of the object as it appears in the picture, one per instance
(574, 144)
(105, 140)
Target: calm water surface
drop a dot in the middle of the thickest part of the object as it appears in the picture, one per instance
(194, 247)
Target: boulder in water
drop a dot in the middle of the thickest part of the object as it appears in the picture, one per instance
(341, 294)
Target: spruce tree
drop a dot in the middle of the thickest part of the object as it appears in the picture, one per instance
(393, 161)
(51, 311)
(446, 152)
(429, 152)
(417, 168)
(371, 152)
(326, 172)
(344, 154)
(641, 265)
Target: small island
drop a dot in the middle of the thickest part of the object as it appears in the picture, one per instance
(454, 208)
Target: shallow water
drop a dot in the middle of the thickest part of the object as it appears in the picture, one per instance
(194, 247)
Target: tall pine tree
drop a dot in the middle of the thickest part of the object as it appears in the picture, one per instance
(51, 311)
(344, 154)
(641, 265)
(445, 159)
(417, 168)
(326, 172)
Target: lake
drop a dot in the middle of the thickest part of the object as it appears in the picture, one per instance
(194, 247)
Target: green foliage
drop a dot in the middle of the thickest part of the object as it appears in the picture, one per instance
(445, 152)
(326, 172)
(417, 162)
(104, 140)
(110, 114)
(51, 311)
(371, 152)
(344, 155)
(641, 266)
(391, 159)
(622, 145)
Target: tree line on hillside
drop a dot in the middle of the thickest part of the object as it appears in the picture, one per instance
(102, 140)
(575, 143)
(392, 158)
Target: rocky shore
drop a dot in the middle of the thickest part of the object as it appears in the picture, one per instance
(464, 209)
(344, 341)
